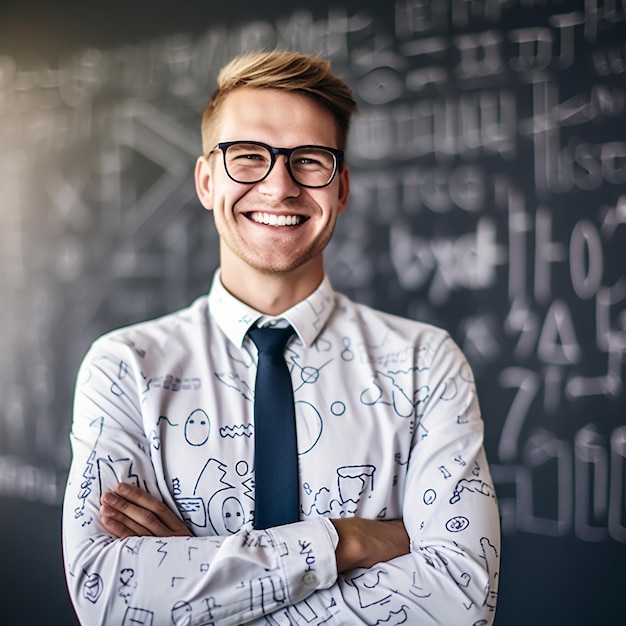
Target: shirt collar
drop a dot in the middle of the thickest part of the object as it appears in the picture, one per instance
(235, 317)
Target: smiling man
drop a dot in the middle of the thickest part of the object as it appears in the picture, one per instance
(166, 495)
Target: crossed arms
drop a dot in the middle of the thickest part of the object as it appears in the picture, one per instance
(131, 559)
(131, 512)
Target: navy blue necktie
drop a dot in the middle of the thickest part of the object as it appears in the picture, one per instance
(275, 448)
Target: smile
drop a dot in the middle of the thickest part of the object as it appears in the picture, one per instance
(271, 219)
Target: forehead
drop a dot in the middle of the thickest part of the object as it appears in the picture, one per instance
(281, 118)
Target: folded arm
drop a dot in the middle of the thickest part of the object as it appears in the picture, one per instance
(132, 512)
(132, 567)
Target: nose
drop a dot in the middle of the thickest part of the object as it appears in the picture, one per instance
(278, 182)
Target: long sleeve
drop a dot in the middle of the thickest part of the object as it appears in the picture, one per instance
(146, 580)
(450, 511)
(449, 508)
(389, 427)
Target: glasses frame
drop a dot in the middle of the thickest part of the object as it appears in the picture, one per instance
(338, 156)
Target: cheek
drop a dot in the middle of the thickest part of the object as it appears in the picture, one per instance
(231, 193)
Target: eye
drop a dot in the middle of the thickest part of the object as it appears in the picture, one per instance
(312, 159)
(246, 152)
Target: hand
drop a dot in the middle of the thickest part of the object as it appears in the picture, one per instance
(365, 542)
(132, 512)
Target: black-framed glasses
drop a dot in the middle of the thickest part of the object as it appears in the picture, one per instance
(249, 162)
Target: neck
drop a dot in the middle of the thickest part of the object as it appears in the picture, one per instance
(272, 293)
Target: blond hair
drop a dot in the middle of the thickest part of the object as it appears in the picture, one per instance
(291, 71)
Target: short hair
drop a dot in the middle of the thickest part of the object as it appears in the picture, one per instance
(290, 71)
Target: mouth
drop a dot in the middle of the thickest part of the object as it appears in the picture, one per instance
(271, 219)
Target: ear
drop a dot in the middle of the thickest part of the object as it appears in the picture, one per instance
(204, 182)
(344, 188)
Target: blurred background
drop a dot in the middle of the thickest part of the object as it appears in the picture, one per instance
(488, 174)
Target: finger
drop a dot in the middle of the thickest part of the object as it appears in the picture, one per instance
(119, 525)
(134, 516)
(146, 501)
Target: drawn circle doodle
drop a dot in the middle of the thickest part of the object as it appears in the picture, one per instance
(309, 435)
(92, 588)
(309, 374)
(241, 468)
(181, 611)
(430, 495)
(457, 524)
(338, 408)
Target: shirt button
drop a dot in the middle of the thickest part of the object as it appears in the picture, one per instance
(310, 579)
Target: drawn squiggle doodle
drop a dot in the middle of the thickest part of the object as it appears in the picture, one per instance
(167, 420)
(471, 486)
(239, 430)
(321, 503)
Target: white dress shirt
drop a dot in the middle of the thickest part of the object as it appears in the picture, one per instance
(388, 427)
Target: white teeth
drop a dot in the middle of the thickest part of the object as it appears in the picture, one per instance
(272, 219)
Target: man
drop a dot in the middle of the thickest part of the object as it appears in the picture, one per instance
(398, 519)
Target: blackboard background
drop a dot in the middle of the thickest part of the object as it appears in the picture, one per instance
(489, 197)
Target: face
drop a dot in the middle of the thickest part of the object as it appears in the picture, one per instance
(275, 226)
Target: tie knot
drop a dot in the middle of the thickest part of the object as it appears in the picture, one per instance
(271, 339)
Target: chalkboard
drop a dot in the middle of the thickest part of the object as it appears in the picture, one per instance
(488, 196)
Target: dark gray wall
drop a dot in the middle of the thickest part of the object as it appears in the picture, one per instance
(489, 197)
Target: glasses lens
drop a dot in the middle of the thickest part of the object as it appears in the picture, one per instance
(247, 162)
(313, 167)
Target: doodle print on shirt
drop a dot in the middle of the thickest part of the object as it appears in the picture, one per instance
(92, 588)
(491, 556)
(128, 584)
(138, 617)
(353, 483)
(390, 388)
(197, 428)
(388, 426)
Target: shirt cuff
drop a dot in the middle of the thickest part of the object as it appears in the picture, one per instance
(308, 558)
